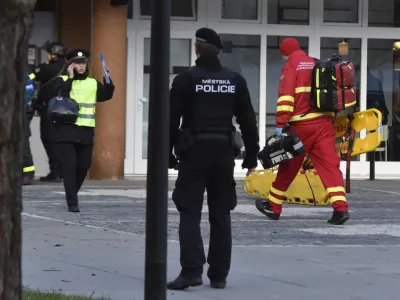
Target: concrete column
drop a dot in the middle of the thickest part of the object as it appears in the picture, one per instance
(74, 23)
(110, 38)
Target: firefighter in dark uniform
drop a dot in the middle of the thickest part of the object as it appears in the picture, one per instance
(28, 165)
(46, 74)
(207, 97)
(74, 142)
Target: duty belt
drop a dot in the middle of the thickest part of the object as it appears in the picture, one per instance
(212, 136)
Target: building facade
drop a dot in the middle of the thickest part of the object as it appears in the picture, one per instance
(252, 31)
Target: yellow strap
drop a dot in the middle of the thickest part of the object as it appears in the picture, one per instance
(303, 89)
(310, 116)
(337, 198)
(317, 83)
(350, 104)
(277, 192)
(336, 189)
(286, 98)
(284, 108)
(275, 200)
(28, 169)
(32, 76)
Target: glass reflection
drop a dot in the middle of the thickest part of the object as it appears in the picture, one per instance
(383, 93)
(242, 54)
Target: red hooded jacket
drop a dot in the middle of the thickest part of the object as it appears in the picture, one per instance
(294, 92)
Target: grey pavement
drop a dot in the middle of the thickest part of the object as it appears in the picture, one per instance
(101, 250)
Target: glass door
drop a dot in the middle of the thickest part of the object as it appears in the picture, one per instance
(242, 54)
(181, 58)
(330, 45)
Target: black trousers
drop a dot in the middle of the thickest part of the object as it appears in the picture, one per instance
(208, 165)
(46, 132)
(76, 160)
(28, 166)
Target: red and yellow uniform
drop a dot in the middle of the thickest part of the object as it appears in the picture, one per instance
(314, 128)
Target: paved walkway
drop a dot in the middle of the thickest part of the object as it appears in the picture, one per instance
(101, 250)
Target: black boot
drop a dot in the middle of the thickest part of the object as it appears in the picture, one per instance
(339, 217)
(218, 284)
(181, 283)
(73, 208)
(50, 178)
(27, 181)
(265, 208)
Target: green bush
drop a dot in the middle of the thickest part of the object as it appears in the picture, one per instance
(33, 295)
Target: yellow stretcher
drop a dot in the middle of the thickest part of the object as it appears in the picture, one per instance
(368, 127)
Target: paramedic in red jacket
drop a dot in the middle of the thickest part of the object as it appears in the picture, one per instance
(315, 130)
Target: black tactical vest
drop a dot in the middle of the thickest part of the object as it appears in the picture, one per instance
(211, 109)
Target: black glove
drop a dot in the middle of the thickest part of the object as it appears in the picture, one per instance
(250, 161)
(105, 83)
(173, 162)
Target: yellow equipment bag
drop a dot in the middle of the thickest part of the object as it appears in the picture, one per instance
(368, 128)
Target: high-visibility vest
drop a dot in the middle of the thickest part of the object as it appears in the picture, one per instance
(84, 92)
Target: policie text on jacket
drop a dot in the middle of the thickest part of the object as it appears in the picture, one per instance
(215, 86)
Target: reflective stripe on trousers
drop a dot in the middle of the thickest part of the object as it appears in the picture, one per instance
(28, 169)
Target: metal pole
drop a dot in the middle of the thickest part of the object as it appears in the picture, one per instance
(371, 165)
(158, 156)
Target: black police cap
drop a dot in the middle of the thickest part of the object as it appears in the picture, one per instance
(208, 36)
(78, 55)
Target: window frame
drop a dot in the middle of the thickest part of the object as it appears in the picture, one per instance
(206, 17)
(215, 10)
(320, 14)
(46, 6)
(366, 17)
(311, 15)
(137, 12)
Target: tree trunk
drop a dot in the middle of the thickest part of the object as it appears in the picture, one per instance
(15, 29)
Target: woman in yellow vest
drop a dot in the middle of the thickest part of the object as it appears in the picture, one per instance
(74, 142)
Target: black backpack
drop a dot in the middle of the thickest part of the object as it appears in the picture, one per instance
(333, 85)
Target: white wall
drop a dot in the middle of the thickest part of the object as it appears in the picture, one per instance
(44, 29)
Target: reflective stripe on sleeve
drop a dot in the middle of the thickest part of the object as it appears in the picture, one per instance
(286, 98)
(303, 89)
(284, 108)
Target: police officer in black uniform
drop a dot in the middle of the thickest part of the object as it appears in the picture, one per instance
(28, 169)
(73, 143)
(207, 96)
(46, 75)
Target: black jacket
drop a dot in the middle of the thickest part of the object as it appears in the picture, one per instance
(43, 74)
(65, 133)
(183, 91)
